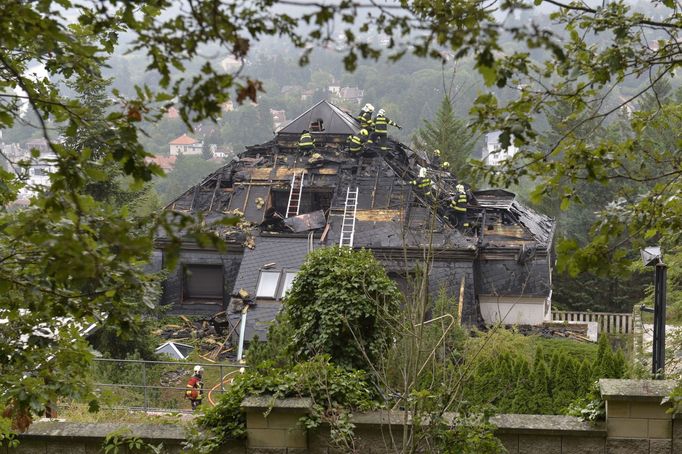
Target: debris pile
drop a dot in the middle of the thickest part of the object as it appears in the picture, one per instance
(211, 335)
(574, 331)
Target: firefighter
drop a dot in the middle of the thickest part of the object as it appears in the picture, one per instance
(435, 160)
(365, 117)
(306, 143)
(381, 123)
(356, 142)
(458, 207)
(422, 183)
(195, 387)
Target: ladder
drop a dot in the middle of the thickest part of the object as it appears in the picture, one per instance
(348, 223)
(294, 204)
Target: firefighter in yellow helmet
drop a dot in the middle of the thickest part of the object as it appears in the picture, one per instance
(306, 143)
(381, 123)
(422, 183)
(356, 142)
(458, 207)
(365, 117)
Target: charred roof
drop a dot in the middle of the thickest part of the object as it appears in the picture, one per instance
(391, 214)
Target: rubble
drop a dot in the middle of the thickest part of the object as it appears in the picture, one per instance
(211, 336)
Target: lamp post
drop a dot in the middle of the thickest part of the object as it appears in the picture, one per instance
(652, 256)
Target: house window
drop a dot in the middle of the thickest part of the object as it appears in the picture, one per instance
(288, 281)
(267, 284)
(203, 282)
(274, 284)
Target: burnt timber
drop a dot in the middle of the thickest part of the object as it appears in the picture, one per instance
(500, 267)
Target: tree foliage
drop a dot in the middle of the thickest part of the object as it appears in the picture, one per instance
(70, 257)
(340, 304)
(451, 136)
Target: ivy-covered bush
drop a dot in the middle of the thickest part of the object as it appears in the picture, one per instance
(340, 304)
(334, 390)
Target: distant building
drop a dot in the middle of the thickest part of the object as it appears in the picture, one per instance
(223, 152)
(352, 94)
(334, 89)
(290, 88)
(185, 145)
(167, 163)
(493, 153)
(172, 113)
(37, 144)
(279, 117)
(37, 174)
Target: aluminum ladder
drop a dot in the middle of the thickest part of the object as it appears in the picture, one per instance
(294, 204)
(349, 212)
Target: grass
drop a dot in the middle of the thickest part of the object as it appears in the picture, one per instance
(79, 413)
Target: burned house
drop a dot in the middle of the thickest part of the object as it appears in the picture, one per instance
(499, 268)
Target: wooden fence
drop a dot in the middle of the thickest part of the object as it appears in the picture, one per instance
(608, 322)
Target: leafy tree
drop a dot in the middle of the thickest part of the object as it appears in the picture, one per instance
(450, 135)
(187, 171)
(340, 304)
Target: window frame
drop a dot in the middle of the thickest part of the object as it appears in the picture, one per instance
(280, 288)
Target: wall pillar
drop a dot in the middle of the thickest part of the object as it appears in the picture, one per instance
(273, 424)
(638, 420)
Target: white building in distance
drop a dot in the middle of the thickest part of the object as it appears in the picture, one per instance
(185, 145)
(493, 153)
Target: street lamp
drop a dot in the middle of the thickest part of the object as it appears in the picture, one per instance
(652, 256)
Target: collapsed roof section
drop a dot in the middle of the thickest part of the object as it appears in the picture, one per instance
(281, 192)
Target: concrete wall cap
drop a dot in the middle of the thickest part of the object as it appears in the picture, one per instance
(638, 390)
(63, 429)
(302, 404)
(547, 425)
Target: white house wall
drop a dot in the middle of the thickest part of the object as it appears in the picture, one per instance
(511, 310)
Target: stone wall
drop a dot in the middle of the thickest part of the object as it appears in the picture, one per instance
(54, 437)
(637, 422)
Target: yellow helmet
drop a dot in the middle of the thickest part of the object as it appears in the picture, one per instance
(436, 152)
(445, 165)
(364, 132)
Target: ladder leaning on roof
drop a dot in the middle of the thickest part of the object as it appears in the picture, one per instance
(348, 223)
(294, 205)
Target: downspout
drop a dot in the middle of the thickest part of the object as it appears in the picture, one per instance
(242, 333)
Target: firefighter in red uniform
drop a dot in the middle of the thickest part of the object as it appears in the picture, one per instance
(195, 387)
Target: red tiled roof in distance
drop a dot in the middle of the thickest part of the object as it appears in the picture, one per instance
(167, 163)
(184, 140)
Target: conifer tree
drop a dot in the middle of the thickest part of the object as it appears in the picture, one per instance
(523, 393)
(450, 135)
(541, 402)
(584, 377)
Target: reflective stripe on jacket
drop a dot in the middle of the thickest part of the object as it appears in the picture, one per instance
(459, 203)
(381, 124)
(356, 143)
(306, 140)
(365, 119)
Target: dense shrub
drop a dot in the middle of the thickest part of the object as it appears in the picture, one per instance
(341, 304)
(551, 384)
